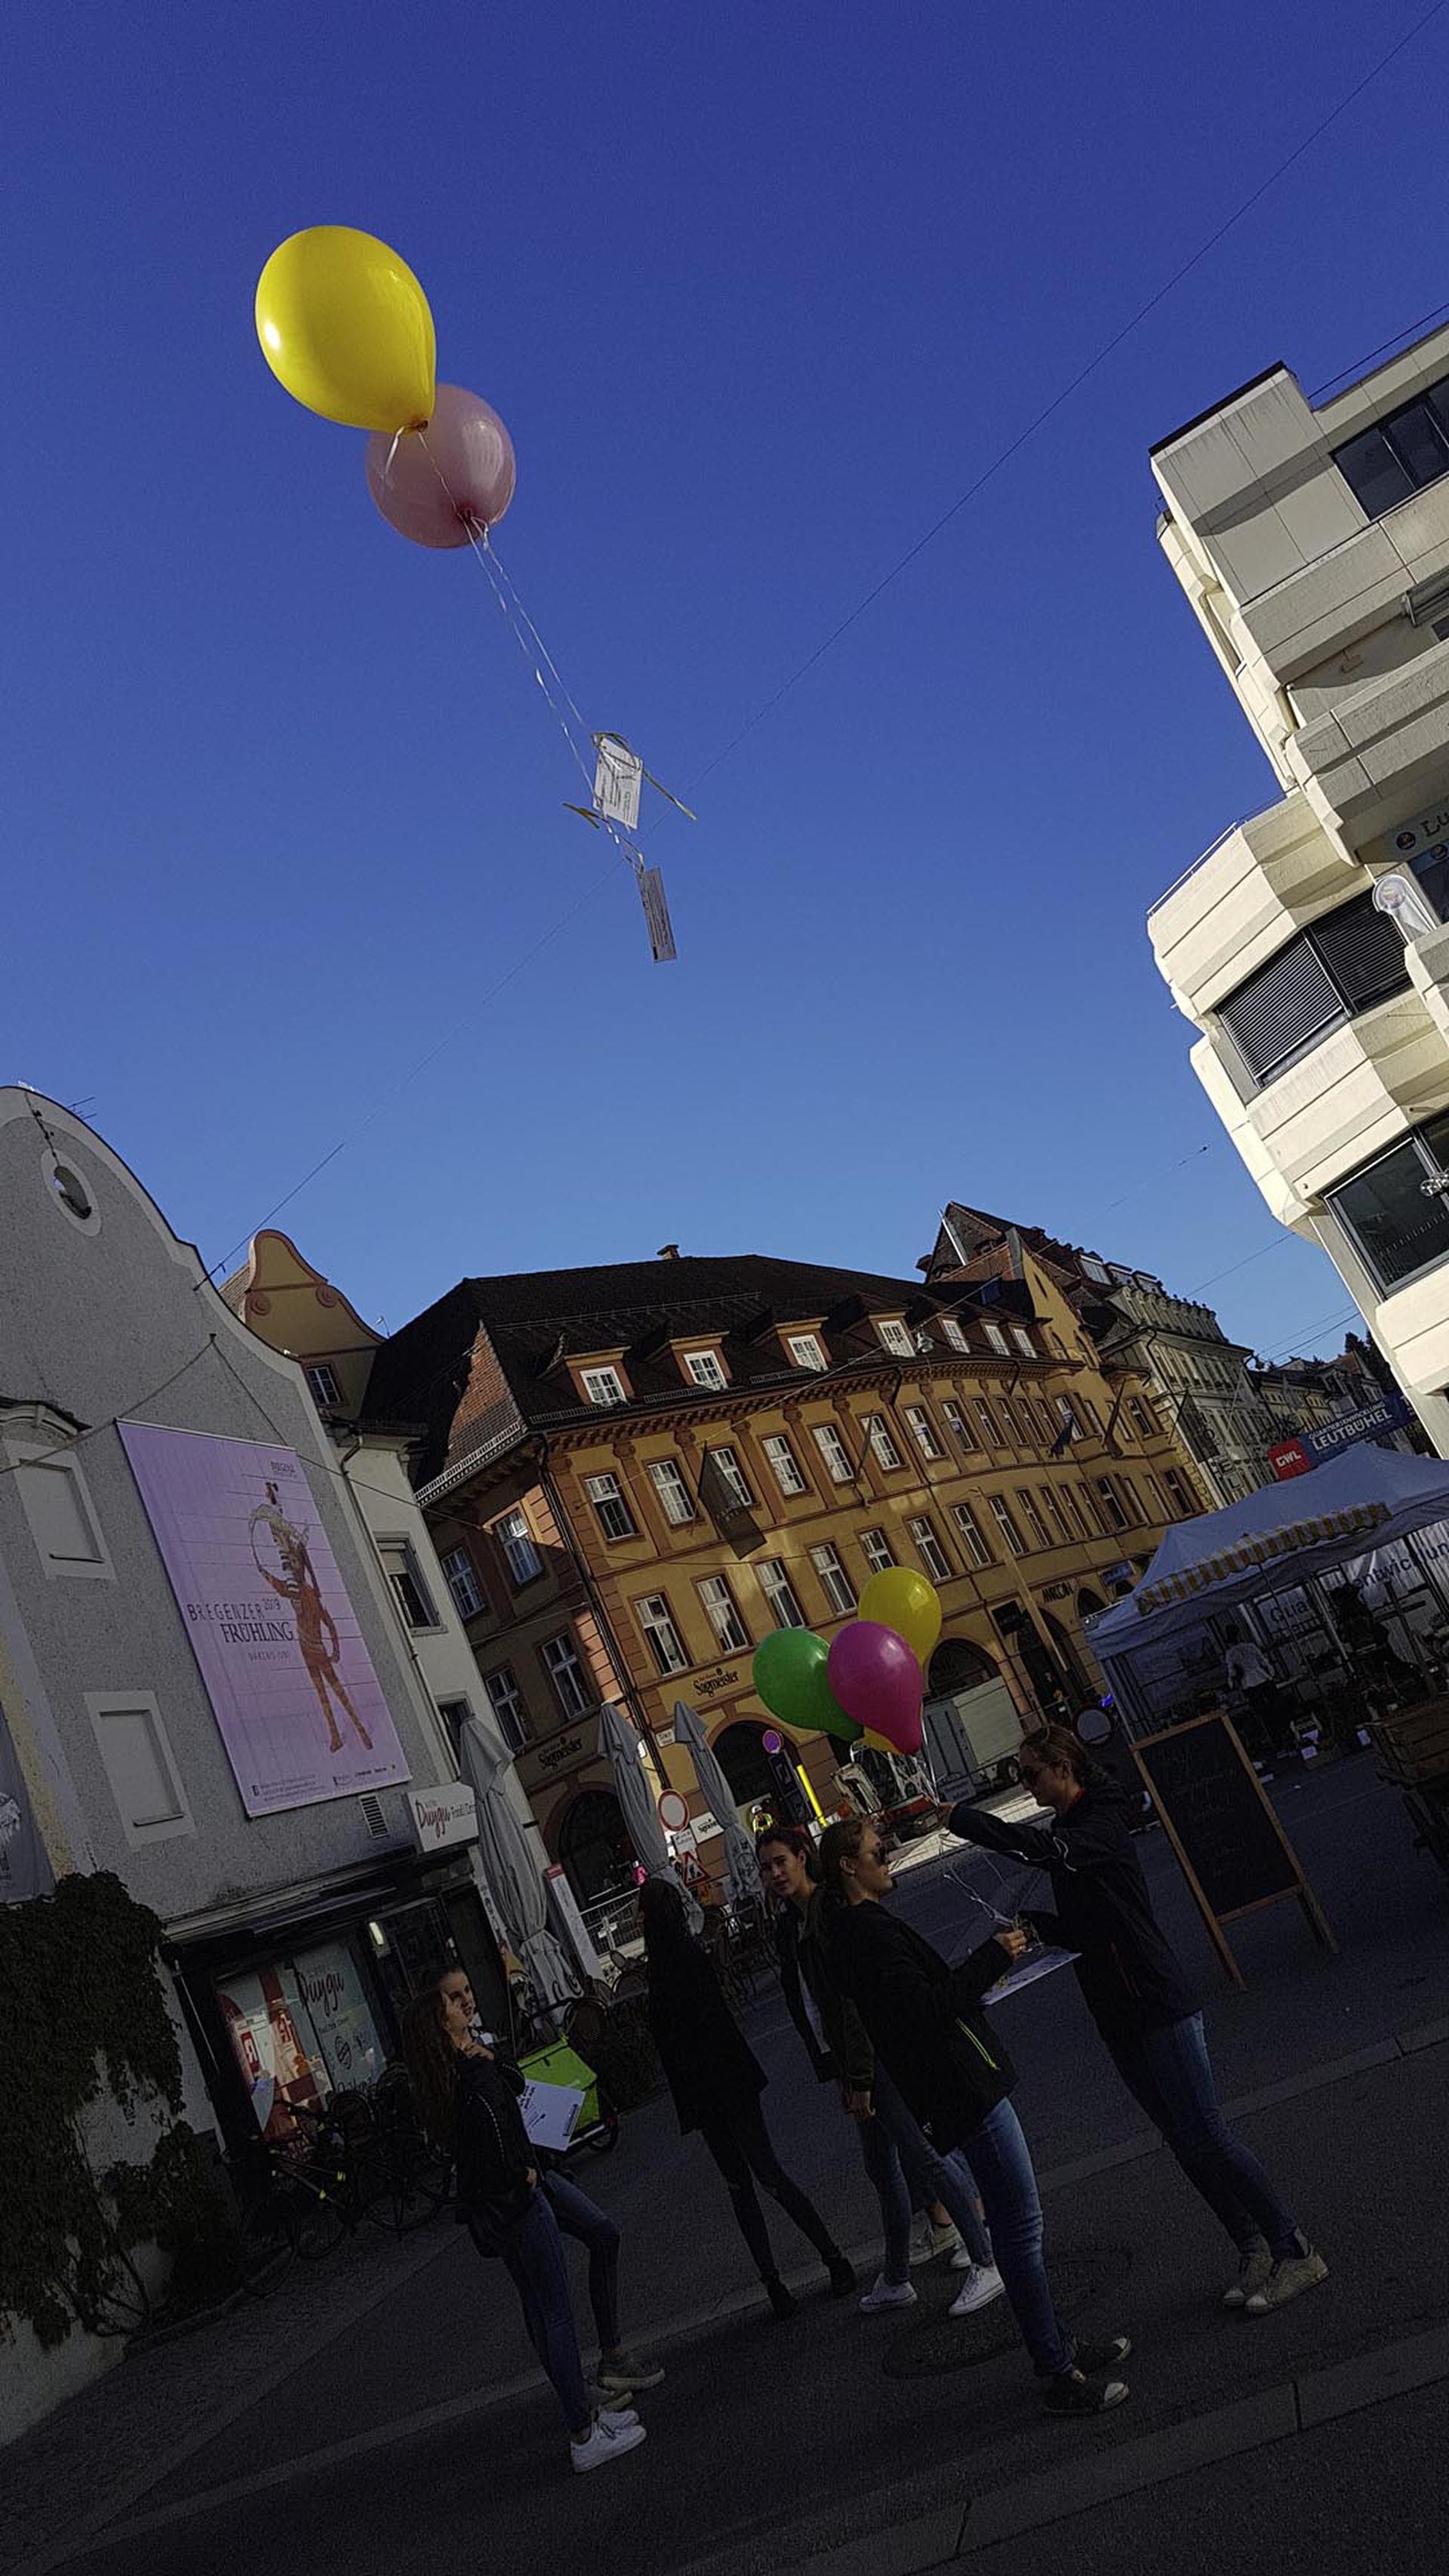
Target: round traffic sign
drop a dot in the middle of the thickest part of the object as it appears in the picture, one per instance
(772, 1740)
(673, 1811)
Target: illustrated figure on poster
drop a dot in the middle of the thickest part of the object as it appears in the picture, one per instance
(317, 1637)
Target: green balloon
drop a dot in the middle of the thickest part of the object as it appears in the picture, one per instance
(789, 1672)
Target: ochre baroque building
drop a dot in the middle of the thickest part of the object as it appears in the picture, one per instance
(633, 1473)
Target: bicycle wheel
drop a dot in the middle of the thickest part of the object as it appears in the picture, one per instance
(107, 2294)
(266, 2243)
(319, 2221)
(403, 2189)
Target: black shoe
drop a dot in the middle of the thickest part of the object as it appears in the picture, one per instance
(781, 2299)
(1071, 2394)
(1092, 2359)
(841, 2272)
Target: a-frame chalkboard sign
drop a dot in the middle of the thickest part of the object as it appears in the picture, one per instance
(1223, 1827)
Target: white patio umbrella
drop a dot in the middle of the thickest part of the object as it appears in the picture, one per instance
(513, 1881)
(741, 1865)
(623, 1745)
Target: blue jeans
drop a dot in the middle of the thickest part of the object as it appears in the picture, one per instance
(1169, 2072)
(532, 2254)
(1001, 2162)
(906, 2170)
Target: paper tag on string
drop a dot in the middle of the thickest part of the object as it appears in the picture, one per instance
(616, 781)
(656, 913)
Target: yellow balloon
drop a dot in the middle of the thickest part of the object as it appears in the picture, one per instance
(876, 1743)
(345, 326)
(906, 1602)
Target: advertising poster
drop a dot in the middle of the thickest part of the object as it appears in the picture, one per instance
(291, 1684)
(24, 1869)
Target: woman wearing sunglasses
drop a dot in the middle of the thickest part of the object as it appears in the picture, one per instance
(1145, 2010)
(928, 2028)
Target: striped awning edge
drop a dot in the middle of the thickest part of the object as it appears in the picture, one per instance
(1262, 1550)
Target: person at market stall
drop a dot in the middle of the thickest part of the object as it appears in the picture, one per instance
(1265, 1723)
(928, 2027)
(1146, 2012)
(716, 2081)
(903, 2166)
(516, 2210)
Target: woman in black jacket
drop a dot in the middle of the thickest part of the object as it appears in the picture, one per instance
(467, 2098)
(1142, 2004)
(716, 2081)
(927, 2025)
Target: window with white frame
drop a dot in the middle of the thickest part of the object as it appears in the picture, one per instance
(997, 1339)
(834, 1452)
(140, 1766)
(675, 1498)
(1034, 1521)
(1053, 1505)
(972, 1538)
(1023, 1341)
(1073, 1512)
(455, 1714)
(805, 1351)
(612, 1506)
(722, 1613)
(1133, 1499)
(660, 1633)
(603, 1386)
(895, 1334)
(784, 1465)
(929, 1549)
(323, 1383)
(728, 1465)
(56, 1503)
(410, 1591)
(883, 1447)
(835, 1582)
(1186, 1505)
(989, 1424)
(506, 1702)
(780, 1594)
(1091, 1508)
(461, 1577)
(923, 1431)
(953, 1333)
(1068, 1418)
(1001, 1513)
(1140, 1418)
(1108, 1505)
(707, 1370)
(520, 1555)
(570, 1681)
(956, 1422)
(1007, 1411)
(877, 1550)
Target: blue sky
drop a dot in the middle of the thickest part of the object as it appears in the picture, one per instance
(759, 291)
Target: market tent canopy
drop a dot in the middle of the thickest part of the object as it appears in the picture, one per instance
(1353, 1503)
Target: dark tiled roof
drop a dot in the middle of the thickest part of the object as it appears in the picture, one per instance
(533, 1322)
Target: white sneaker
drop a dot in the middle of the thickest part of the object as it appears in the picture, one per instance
(1254, 2271)
(603, 2444)
(1287, 2280)
(887, 2294)
(943, 2240)
(981, 2285)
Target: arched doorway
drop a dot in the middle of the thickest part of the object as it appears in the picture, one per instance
(957, 1665)
(740, 1753)
(1079, 1680)
(1089, 1603)
(594, 1846)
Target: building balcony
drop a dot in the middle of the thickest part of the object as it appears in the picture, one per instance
(1243, 899)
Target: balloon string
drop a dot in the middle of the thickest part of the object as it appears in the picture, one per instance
(535, 653)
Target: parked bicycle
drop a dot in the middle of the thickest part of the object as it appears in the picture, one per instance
(359, 2158)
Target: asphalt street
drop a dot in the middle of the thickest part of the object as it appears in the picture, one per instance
(388, 2416)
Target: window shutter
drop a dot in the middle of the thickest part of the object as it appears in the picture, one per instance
(1280, 1008)
(1363, 953)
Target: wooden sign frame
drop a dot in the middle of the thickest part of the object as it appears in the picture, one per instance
(1314, 1915)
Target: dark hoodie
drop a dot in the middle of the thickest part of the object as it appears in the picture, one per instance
(924, 2017)
(495, 2154)
(1128, 1973)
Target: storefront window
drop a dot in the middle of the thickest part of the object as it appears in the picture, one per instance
(276, 2047)
(329, 1985)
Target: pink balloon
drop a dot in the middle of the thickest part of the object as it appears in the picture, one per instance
(465, 472)
(876, 1677)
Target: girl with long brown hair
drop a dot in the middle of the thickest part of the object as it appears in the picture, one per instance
(467, 2098)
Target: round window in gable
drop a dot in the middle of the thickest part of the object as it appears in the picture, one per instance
(67, 1188)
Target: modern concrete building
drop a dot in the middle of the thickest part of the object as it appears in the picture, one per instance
(1310, 945)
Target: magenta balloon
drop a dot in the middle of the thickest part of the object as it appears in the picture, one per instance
(464, 473)
(876, 1677)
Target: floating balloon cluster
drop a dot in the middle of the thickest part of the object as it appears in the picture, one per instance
(867, 1682)
(345, 326)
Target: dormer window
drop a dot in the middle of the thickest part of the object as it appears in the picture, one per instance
(954, 1333)
(806, 1351)
(895, 1335)
(603, 1386)
(707, 1370)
